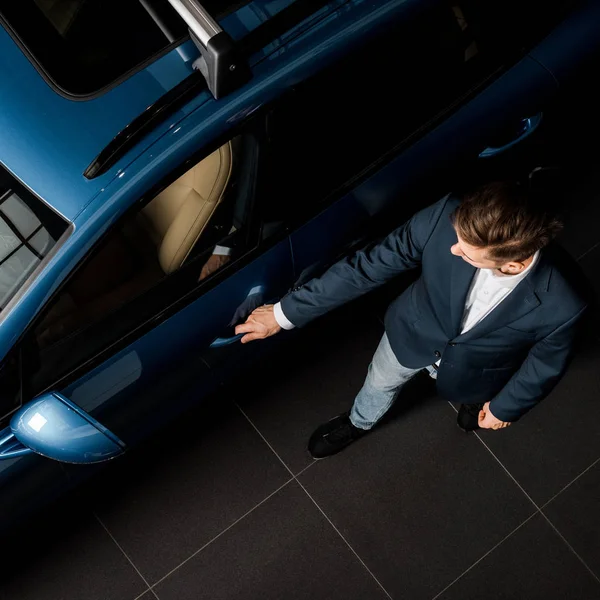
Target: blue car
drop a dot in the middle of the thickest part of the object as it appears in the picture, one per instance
(167, 166)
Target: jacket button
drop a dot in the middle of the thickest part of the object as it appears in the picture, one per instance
(438, 353)
(451, 343)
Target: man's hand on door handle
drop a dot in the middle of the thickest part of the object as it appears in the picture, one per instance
(259, 325)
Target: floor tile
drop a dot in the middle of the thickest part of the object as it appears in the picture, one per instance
(171, 497)
(576, 514)
(314, 378)
(283, 549)
(65, 554)
(556, 440)
(418, 499)
(534, 563)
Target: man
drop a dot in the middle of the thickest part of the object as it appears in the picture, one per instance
(492, 316)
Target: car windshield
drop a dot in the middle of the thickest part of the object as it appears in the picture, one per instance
(83, 46)
(28, 231)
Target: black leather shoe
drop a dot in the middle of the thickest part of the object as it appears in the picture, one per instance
(333, 436)
(468, 416)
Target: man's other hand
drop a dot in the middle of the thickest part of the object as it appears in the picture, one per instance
(260, 324)
(214, 263)
(488, 421)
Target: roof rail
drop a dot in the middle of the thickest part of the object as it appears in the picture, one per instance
(220, 62)
(195, 83)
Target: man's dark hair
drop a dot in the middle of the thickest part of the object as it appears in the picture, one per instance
(504, 218)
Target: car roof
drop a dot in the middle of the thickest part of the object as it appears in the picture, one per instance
(48, 139)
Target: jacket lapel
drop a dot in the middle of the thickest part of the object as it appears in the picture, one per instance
(521, 301)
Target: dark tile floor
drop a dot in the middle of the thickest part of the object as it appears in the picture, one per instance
(417, 510)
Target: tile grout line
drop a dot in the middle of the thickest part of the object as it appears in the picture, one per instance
(151, 587)
(588, 251)
(500, 463)
(362, 562)
(112, 537)
(312, 464)
(562, 537)
(316, 504)
(569, 484)
(264, 439)
(508, 472)
(486, 554)
(539, 510)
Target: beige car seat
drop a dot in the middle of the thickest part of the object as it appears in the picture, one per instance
(177, 217)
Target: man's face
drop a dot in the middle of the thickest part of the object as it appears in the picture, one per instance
(477, 258)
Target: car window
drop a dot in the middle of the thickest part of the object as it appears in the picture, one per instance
(84, 45)
(28, 231)
(512, 25)
(163, 250)
(382, 96)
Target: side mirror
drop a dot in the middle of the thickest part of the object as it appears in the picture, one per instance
(51, 425)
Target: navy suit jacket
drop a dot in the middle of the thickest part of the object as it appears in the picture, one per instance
(513, 357)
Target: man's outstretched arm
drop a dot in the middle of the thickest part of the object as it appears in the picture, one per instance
(349, 278)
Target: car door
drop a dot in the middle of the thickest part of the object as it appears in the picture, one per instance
(133, 345)
(441, 101)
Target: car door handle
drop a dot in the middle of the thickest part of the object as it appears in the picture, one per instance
(525, 128)
(252, 301)
(222, 341)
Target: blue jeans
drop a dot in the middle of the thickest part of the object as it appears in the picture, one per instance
(385, 378)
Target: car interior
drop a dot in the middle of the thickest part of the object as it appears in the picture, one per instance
(186, 219)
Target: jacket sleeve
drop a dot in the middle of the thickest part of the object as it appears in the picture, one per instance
(367, 269)
(543, 368)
